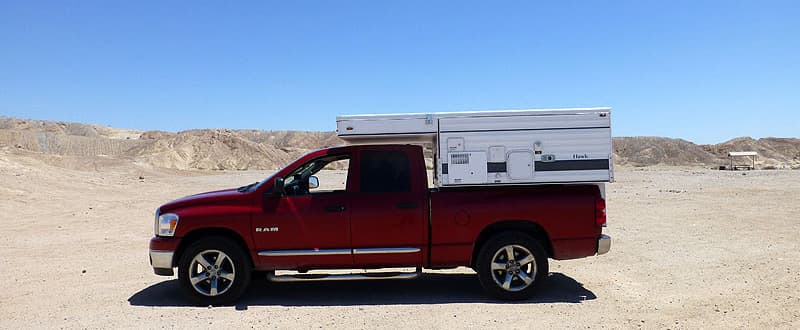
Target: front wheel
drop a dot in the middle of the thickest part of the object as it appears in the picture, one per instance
(511, 266)
(214, 271)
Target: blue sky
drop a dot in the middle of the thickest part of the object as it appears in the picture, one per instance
(703, 71)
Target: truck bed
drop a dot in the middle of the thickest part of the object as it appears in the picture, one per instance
(564, 214)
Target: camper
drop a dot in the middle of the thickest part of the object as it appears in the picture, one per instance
(499, 147)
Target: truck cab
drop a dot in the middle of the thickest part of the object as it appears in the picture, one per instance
(379, 209)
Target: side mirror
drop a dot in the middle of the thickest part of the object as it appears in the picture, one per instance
(277, 189)
(313, 182)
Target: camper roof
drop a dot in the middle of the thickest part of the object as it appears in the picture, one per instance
(528, 112)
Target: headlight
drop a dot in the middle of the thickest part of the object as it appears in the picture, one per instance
(166, 224)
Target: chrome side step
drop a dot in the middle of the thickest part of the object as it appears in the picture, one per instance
(343, 277)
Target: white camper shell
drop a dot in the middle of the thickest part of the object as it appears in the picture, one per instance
(499, 147)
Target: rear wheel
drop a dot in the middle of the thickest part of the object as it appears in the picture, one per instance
(511, 266)
(214, 271)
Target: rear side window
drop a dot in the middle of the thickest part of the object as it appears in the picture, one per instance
(385, 171)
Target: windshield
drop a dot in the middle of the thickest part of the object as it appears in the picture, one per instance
(308, 169)
(255, 186)
(260, 183)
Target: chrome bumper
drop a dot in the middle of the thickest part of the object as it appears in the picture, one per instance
(161, 261)
(603, 244)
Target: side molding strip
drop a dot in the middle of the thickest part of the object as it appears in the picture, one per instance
(385, 250)
(335, 252)
(289, 253)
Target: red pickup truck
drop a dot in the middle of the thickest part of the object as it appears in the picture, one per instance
(382, 215)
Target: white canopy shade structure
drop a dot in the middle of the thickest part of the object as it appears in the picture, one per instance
(751, 156)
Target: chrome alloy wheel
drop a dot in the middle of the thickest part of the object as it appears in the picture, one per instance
(212, 272)
(513, 267)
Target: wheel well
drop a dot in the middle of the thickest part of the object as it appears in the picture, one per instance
(198, 234)
(523, 226)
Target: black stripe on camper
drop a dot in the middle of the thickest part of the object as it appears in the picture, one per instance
(559, 165)
(572, 165)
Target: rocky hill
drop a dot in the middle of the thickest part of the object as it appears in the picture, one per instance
(776, 153)
(223, 149)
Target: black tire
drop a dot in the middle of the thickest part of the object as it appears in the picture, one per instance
(214, 285)
(516, 279)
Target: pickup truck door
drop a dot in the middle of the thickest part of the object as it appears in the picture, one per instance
(307, 227)
(388, 210)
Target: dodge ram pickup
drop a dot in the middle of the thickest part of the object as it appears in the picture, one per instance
(382, 215)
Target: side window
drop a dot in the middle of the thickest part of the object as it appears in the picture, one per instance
(330, 173)
(333, 177)
(385, 171)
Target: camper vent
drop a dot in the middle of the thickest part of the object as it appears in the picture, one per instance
(459, 158)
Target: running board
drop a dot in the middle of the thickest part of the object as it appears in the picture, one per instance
(343, 277)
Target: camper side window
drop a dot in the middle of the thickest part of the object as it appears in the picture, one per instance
(385, 171)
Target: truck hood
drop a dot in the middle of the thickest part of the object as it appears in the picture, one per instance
(211, 197)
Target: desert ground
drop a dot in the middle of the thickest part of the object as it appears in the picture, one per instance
(693, 248)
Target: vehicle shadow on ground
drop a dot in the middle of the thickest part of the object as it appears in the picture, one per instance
(428, 289)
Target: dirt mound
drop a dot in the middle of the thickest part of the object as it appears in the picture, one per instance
(772, 152)
(211, 150)
(65, 128)
(292, 140)
(60, 143)
(205, 149)
(648, 150)
(156, 135)
(223, 149)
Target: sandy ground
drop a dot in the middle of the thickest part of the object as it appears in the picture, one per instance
(693, 248)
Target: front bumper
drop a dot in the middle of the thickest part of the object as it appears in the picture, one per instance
(162, 262)
(162, 253)
(603, 244)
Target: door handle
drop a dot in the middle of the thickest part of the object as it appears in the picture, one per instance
(334, 208)
(407, 206)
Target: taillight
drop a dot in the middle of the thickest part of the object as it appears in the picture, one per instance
(600, 212)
